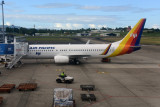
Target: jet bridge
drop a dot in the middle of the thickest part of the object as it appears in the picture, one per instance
(13, 51)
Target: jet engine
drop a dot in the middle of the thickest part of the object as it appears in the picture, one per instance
(61, 59)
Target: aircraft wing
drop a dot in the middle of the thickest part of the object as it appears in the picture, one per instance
(79, 56)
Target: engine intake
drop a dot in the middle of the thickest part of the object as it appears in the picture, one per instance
(61, 59)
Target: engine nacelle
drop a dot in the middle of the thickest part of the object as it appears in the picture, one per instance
(61, 59)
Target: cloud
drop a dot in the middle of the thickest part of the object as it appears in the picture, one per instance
(67, 26)
(107, 8)
(74, 19)
(155, 26)
(12, 7)
(141, 10)
(115, 8)
(78, 25)
(55, 5)
(91, 25)
(15, 10)
(8, 23)
(89, 7)
(118, 8)
(58, 25)
(67, 21)
(100, 26)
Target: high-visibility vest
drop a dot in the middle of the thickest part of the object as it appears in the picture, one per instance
(62, 74)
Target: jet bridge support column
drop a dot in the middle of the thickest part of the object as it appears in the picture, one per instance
(5, 39)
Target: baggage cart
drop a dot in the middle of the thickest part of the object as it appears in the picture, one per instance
(87, 87)
(11, 86)
(1, 100)
(7, 87)
(27, 86)
(88, 97)
(4, 90)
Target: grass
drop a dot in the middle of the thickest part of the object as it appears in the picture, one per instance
(152, 34)
(144, 40)
(112, 39)
(150, 40)
(48, 38)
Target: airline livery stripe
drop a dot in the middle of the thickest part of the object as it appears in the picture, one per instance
(132, 38)
(106, 50)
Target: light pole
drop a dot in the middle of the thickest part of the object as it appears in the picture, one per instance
(2, 18)
(13, 28)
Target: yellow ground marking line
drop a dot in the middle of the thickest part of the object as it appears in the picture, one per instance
(101, 72)
(61, 70)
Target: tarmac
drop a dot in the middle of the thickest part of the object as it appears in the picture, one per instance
(131, 80)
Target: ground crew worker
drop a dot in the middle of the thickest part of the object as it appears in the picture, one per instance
(63, 75)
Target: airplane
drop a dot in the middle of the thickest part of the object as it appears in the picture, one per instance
(66, 53)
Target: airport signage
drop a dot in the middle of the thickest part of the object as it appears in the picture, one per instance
(6, 49)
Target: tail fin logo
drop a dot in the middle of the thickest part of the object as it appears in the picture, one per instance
(134, 35)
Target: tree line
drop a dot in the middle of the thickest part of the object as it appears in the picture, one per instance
(32, 31)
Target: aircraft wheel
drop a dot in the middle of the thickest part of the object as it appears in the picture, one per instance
(59, 81)
(77, 62)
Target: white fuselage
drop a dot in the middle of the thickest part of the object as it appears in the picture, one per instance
(49, 51)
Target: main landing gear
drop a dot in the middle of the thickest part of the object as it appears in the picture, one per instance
(107, 60)
(75, 61)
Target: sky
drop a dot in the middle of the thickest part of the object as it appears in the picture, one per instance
(75, 14)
